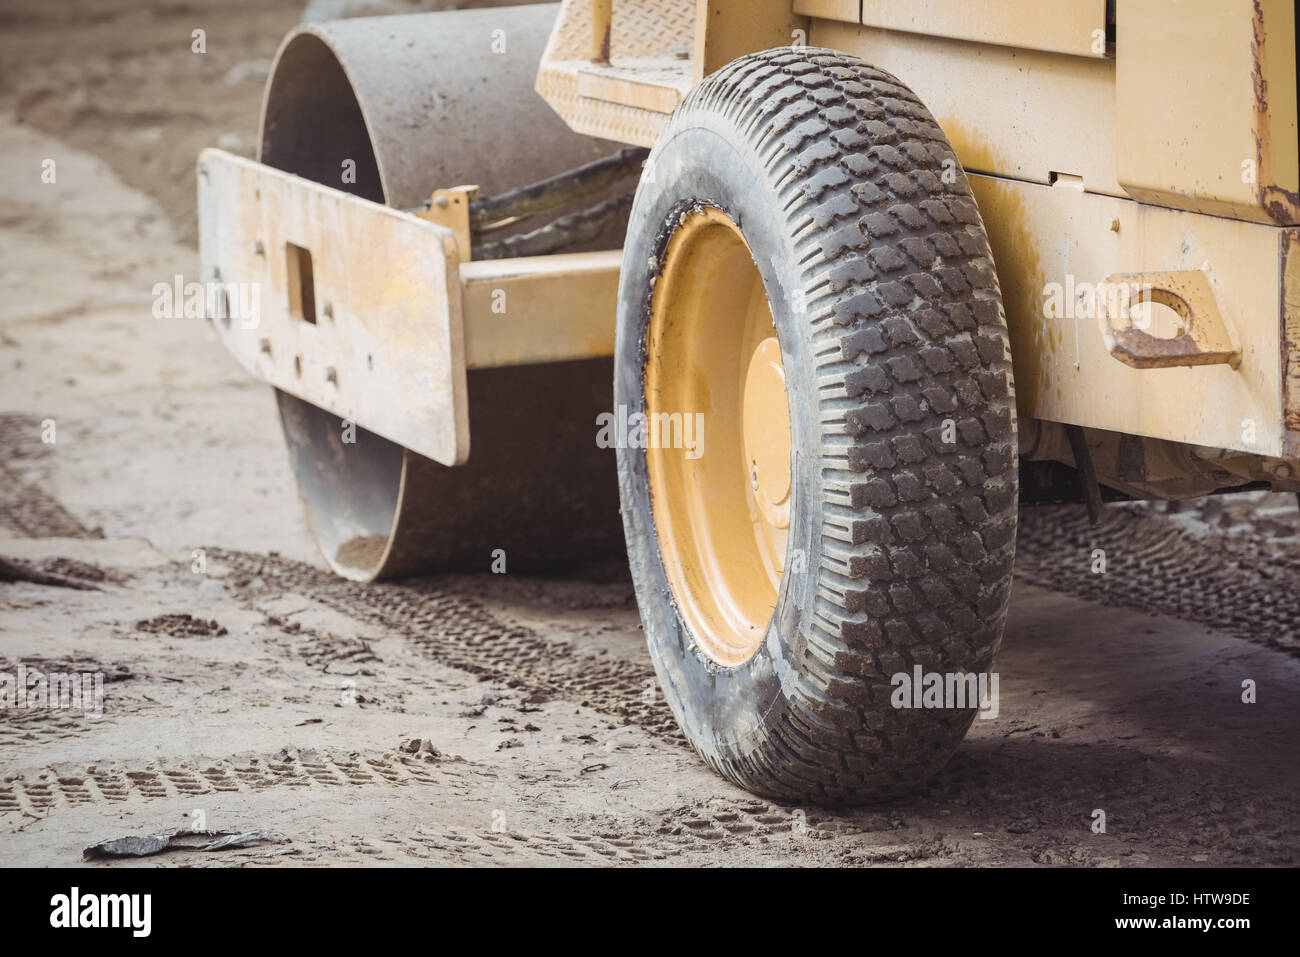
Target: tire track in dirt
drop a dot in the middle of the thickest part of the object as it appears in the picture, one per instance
(1153, 564)
(27, 510)
(30, 512)
(1235, 584)
(458, 631)
(60, 786)
(702, 828)
(706, 828)
(27, 725)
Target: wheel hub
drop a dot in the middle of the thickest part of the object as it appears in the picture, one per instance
(767, 433)
(722, 511)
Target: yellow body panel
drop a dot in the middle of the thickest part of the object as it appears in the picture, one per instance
(1045, 237)
(1076, 27)
(1023, 114)
(1205, 101)
(849, 10)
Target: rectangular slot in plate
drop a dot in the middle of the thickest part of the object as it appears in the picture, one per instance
(301, 283)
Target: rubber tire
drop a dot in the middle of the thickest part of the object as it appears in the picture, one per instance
(852, 201)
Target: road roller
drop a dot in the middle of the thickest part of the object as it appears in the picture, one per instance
(795, 303)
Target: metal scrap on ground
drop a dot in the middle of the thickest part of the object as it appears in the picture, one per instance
(185, 839)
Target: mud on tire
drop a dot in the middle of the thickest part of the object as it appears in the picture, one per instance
(892, 335)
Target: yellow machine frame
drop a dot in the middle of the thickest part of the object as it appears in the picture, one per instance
(1152, 146)
(1139, 150)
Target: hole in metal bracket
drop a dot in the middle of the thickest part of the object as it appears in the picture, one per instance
(302, 289)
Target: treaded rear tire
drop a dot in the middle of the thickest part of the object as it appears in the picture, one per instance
(854, 206)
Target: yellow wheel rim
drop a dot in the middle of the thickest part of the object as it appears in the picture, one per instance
(721, 508)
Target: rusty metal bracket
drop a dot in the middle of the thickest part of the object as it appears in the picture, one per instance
(450, 208)
(1124, 316)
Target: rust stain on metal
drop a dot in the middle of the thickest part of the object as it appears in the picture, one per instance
(1281, 205)
(1290, 318)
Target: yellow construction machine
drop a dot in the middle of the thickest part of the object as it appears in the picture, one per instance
(798, 301)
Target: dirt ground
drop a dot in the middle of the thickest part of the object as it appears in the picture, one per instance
(492, 719)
